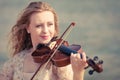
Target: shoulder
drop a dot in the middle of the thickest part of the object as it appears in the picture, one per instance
(21, 54)
(17, 57)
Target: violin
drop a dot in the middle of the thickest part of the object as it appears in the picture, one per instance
(62, 56)
(60, 53)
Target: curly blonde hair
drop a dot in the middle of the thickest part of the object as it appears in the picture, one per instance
(20, 39)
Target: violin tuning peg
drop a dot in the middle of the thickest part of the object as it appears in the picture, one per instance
(95, 58)
(100, 62)
(91, 72)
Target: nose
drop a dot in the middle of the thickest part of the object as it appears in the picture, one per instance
(45, 29)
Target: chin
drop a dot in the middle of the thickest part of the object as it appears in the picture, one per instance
(46, 41)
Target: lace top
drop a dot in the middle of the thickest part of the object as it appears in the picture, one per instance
(13, 70)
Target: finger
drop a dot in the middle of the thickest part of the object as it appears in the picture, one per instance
(83, 56)
(73, 59)
(78, 56)
(72, 55)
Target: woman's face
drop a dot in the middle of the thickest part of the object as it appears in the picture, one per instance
(41, 27)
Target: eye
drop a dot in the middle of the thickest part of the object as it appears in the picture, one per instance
(50, 24)
(40, 25)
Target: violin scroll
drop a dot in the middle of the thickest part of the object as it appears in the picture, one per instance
(95, 64)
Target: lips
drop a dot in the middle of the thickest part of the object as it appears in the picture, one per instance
(45, 37)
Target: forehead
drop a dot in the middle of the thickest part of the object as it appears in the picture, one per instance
(42, 16)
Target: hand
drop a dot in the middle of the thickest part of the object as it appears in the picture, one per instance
(78, 63)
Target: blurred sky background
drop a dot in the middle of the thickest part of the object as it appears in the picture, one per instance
(97, 29)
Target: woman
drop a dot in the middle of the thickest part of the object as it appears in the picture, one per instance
(38, 24)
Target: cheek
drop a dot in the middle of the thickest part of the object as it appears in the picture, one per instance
(54, 29)
(35, 33)
(53, 32)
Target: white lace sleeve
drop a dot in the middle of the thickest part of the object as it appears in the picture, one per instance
(63, 73)
(7, 70)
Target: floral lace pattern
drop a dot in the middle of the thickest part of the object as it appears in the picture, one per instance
(13, 70)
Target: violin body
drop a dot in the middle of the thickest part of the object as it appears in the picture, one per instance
(43, 52)
(61, 57)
